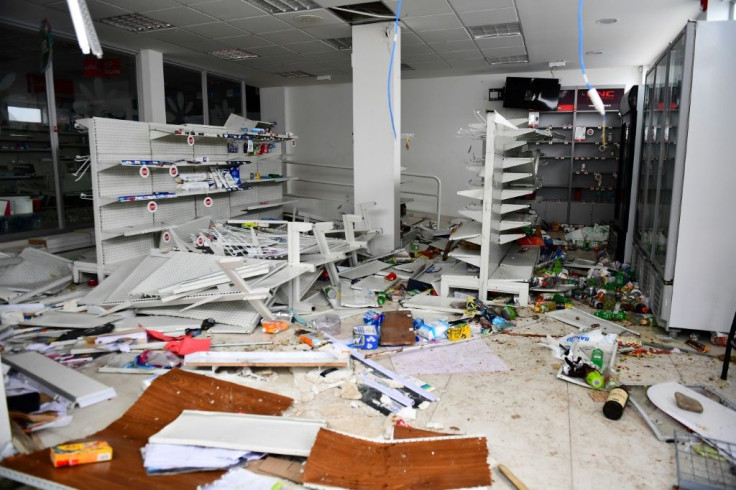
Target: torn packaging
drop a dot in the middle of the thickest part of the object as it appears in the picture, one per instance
(437, 463)
(159, 405)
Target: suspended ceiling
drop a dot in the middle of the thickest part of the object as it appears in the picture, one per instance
(436, 34)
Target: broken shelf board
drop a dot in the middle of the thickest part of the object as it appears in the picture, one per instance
(72, 385)
(436, 303)
(398, 328)
(467, 231)
(435, 462)
(470, 256)
(472, 193)
(282, 276)
(374, 283)
(474, 214)
(517, 265)
(585, 321)
(264, 359)
(363, 270)
(261, 433)
(392, 375)
(62, 319)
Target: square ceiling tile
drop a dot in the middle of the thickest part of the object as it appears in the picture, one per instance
(469, 64)
(186, 39)
(245, 42)
(432, 22)
(415, 49)
(144, 5)
(500, 52)
(180, 16)
(473, 5)
(330, 57)
(228, 9)
(310, 47)
(310, 18)
(271, 51)
(471, 54)
(420, 58)
(454, 46)
(287, 37)
(444, 35)
(263, 23)
(419, 8)
(339, 3)
(100, 10)
(215, 30)
(329, 31)
(500, 42)
(408, 37)
(495, 16)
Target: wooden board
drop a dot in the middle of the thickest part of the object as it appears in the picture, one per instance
(159, 405)
(340, 460)
(407, 432)
(398, 328)
(264, 359)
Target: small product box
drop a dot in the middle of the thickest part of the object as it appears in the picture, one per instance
(365, 337)
(80, 453)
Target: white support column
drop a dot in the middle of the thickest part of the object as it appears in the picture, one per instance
(376, 155)
(718, 10)
(151, 94)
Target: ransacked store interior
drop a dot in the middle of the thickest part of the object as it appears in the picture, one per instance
(281, 244)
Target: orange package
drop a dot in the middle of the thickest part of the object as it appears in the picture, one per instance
(80, 453)
(274, 327)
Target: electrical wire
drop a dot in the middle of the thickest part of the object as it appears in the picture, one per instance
(391, 67)
(580, 44)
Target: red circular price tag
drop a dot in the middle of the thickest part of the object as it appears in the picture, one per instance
(208, 201)
(152, 206)
(200, 241)
(174, 171)
(144, 172)
(190, 140)
(293, 142)
(166, 236)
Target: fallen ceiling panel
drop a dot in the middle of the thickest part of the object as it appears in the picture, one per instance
(160, 404)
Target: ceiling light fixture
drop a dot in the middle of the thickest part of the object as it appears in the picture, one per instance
(295, 74)
(234, 54)
(282, 6)
(84, 28)
(136, 23)
(607, 20)
(507, 60)
(593, 53)
(490, 31)
(341, 43)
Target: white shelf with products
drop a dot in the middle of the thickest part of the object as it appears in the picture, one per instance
(148, 177)
(496, 217)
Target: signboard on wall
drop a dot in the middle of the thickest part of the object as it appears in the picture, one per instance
(610, 97)
(104, 68)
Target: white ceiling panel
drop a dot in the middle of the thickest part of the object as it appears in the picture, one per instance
(432, 22)
(500, 42)
(473, 5)
(310, 18)
(339, 3)
(444, 35)
(270, 51)
(245, 42)
(215, 30)
(143, 5)
(258, 25)
(228, 9)
(180, 16)
(408, 37)
(329, 31)
(415, 49)
(287, 37)
(192, 2)
(454, 46)
(419, 8)
(97, 10)
(495, 16)
(471, 64)
(420, 58)
(463, 55)
(311, 47)
(185, 39)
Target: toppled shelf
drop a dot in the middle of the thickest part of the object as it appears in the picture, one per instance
(265, 205)
(472, 193)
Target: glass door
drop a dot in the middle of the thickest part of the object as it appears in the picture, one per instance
(669, 146)
(642, 232)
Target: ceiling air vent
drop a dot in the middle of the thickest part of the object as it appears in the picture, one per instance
(495, 30)
(282, 6)
(234, 54)
(136, 23)
(507, 60)
(364, 13)
(295, 74)
(341, 43)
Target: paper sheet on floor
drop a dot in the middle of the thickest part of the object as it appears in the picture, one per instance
(239, 478)
(466, 357)
(166, 457)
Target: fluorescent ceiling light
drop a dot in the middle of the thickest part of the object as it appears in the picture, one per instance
(489, 31)
(84, 28)
(136, 23)
(505, 60)
(234, 54)
(607, 20)
(295, 74)
(592, 53)
(341, 43)
(281, 6)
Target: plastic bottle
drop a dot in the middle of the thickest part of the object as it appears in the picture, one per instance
(614, 406)
(596, 357)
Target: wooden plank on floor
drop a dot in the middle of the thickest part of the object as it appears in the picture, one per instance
(398, 328)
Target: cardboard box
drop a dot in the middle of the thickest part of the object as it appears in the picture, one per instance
(80, 453)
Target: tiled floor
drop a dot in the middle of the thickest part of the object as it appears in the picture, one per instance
(550, 433)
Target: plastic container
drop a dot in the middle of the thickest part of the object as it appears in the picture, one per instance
(327, 324)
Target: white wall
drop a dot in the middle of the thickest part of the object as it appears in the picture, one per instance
(432, 109)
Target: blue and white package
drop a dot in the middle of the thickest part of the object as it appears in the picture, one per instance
(373, 317)
(235, 174)
(365, 337)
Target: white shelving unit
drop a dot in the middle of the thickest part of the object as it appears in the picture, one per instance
(129, 228)
(508, 173)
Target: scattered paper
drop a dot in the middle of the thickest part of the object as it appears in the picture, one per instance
(167, 457)
(465, 357)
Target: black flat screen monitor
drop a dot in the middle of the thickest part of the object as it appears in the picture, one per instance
(540, 94)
